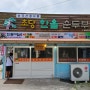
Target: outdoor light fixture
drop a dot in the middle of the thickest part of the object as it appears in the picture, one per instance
(45, 45)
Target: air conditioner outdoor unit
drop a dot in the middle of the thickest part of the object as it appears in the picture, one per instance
(79, 72)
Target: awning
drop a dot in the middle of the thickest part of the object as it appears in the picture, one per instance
(27, 40)
(19, 40)
(70, 40)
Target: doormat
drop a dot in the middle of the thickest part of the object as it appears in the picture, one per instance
(14, 81)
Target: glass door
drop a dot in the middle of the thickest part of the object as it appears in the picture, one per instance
(42, 63)
(22, 66)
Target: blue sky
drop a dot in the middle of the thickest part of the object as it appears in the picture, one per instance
(46, 6)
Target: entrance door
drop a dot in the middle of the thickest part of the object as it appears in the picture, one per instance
(22, 67)
(42, 63)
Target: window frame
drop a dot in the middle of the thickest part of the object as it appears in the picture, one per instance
(46, 47)
(66, 47)
(82, 47)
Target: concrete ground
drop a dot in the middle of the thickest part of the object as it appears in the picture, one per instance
(44, 84)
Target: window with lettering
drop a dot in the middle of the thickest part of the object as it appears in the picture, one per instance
(84, 54)
(42, 55)
(67, 54)
(47, 53)
(22, 53)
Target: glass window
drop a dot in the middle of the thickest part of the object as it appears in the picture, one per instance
(33, 53)
(22, 52)
(84, 54)
(67, 54)
(47, 53)
(9, 49)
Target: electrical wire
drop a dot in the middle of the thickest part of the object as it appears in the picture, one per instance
(51, 5)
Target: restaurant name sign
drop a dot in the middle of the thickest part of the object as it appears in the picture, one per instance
(35, 22)
(75, 24)
(28, 23)
(54, 24)
(44, 24)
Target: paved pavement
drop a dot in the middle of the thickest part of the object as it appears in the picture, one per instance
(44, 84)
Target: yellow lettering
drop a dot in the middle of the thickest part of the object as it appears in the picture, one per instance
(24, 22)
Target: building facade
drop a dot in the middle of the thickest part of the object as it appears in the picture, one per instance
(44, 45)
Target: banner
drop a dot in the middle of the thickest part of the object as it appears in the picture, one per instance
(46, 35)
(2, 50)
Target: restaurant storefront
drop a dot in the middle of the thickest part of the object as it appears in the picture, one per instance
(44, 45)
